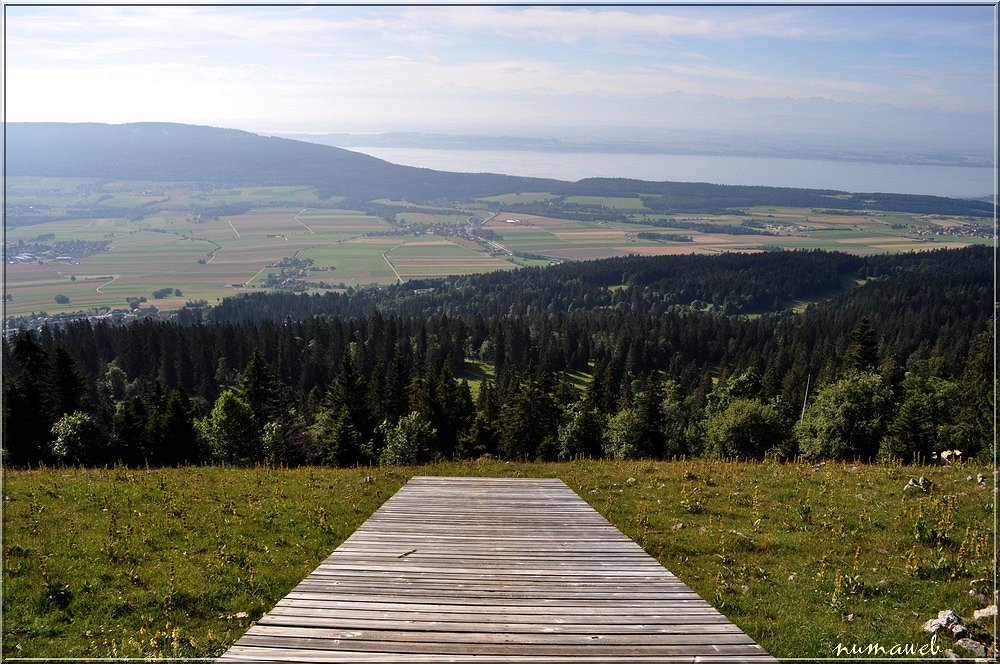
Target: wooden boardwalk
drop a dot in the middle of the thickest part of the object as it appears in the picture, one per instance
(460, 569)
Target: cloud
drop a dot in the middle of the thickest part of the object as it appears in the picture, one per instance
(342, 67)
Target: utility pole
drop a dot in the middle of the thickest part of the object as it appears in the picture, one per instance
(806, 397)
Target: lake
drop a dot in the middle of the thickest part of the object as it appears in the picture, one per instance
(958, 181)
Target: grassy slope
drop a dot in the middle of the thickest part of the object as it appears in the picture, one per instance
(161, 562)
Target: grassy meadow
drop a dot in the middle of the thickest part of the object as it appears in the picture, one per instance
(179, 562)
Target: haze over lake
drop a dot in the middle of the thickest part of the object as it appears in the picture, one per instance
(958, 181)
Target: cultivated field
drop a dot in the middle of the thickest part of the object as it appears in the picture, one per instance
(179, 562)
(207, 243)
(210, 256)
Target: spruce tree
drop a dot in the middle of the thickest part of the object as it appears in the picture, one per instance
(976, 430)
(180, 441)
(27, 419)
(67, 388)
(862, 353)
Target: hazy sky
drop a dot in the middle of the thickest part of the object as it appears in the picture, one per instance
(893, 74)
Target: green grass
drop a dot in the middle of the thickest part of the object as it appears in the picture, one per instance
(521, 197)
(615, 202)
(475, 372)
(116, 562)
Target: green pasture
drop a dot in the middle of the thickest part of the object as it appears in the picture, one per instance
(614, 202)
(356, 263)
(525, 197)
(180, 562)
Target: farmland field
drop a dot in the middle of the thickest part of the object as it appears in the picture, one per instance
(179, 562)
(100, 243)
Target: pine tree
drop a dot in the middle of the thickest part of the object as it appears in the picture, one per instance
(27, 420)
(338, 438)
(67, 388)
(129, 426)
(862, 352)
(649, 411)
(482, 435)
(976, 428)
(261, 389)
(180, 440)
(396, 403)
(529, 423)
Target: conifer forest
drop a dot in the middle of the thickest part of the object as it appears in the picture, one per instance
(781, 355)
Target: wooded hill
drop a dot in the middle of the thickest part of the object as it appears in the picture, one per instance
(184, 153)
(607, 358)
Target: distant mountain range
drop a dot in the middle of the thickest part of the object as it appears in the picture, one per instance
(185, 153)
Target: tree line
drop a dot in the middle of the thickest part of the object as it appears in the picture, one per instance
(901, 367)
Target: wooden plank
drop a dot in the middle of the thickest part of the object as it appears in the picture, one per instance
(262, 654)
(474, 569)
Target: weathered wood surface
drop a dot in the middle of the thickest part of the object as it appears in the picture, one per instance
(460, 569)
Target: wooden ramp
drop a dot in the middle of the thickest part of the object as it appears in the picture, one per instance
(472, 569)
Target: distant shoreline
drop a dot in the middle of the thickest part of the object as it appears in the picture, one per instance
(695, 148)
(970, 182)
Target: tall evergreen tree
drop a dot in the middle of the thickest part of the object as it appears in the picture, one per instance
(27, 419)
(529, 423)
(129, 428)
(262, 390)
(649, 411)
(862, 352)
(67, 388)
(179, 436)
(976, 432)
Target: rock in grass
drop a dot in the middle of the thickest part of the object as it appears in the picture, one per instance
(933, 626)
(946, 619)
(630, 481)
(952, 655)
(989, 612)
(958, 631)
(949, 618)
(677, 526)
(969, 645)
